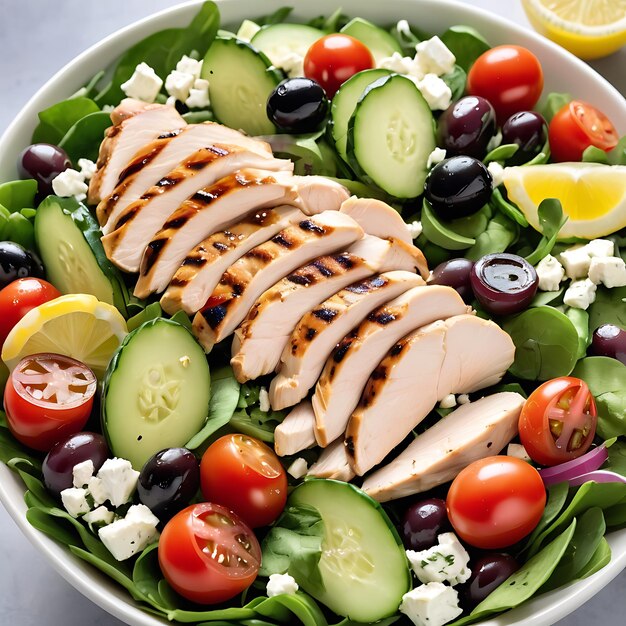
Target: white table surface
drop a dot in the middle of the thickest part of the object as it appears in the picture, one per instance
(38, 37)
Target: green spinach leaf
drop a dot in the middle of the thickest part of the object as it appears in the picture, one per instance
(557, 496)
(617, 458)
(600, 558)
(608, 308)
(616, 156)
(466, 43)
(500, 233)
(82, 140)
(456, 80)
(55, 121)
(501, 153)
(580, 319)
(18, 194)
(440, 233)
(554, 103)
(508, 209)
(551, 220)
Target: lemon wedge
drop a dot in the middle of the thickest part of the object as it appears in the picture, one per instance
(588, 28)
(77, 325)
(593, 196)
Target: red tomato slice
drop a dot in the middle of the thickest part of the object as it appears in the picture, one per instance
(47, 398)
(207, 554)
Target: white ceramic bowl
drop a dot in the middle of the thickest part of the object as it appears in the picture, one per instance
(563, 72)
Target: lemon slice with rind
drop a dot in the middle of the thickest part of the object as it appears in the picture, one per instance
(589, 28)
(593, 196)
(77, 325)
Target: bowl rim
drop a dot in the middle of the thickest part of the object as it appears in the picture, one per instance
(102, 591)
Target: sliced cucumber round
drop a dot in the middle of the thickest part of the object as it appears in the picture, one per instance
(390, 135)
(344, 102)
(156, 391)
(381, 43)
(363, 566)
(240, 80)
(277, 40)
(68, 238)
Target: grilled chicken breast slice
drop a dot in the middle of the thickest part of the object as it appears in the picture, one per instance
(199, 273)
(195, 179)
(207, 212)
(333, 463)
(377, 218)
(295, 432)
(418, 371)
(318, 332)
(471, 432)
(318, 194)
(266, 264)
(135, 124)
(161, 156)
(259, 341)
(348, 368)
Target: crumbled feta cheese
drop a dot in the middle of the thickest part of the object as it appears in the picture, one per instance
(99, 517)
(97, 490)
(580, 294)
(415, 229)
(87, 168)
(448, 402)
(550, 273)
(178, 84)
(600, 248)
(445, 562)
(187, 65)
(434, 57)
(126, 537)
(298, 468)
(610, 271)
(141, 513)
(279, 584)
(82, 472)
(575, 261)
(434, 604)
(518, 451)
(108, 108)
(119, 479)
(201, 83)
(75, 501)
(463, 398)
(495, 141)
(399, 64)
(291, 63)
(199, 95)
(247, 30)
(435, 91)
(171, 101)
(143, 85)
(70, 183)
(264, 400)
(436, 156)
(497, 173)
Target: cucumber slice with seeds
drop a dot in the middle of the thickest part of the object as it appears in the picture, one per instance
(390, 135)
(381, 43)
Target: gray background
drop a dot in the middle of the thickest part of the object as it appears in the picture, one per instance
(37, 38)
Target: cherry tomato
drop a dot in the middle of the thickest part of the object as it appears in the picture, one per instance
(19, 297)
(47, 398)
(577, 126)
(510, 77)
(334, 58)
(245, 475)
(207, 554)
(558, 421)
(495, 502)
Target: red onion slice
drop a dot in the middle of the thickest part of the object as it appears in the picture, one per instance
(599, 476)
(589, 462)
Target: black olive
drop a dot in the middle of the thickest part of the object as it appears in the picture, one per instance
(17, 262)
(298, 105)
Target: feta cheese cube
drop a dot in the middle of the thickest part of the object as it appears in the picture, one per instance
(178, 84)
(435, 91)
(70, 183)
(434, 57)
(298, 468)
(292, 64)
(576, 261)
(82, 472)
(600, 248)
(433, 604)
(610, 271)
(448, 402)
(518, 451)
(415, 229)
(141, 513)
(87, 168)
(463, 398)
(580, 294)
(550, 273)
(97, 490)
(99, 517)
(201, 83)
(119, 479)
(497, 173)
(279, 584)
(187, 65)
(125, 538)
(445, 562)
(264, 400)
(247, 30)
(436, 156)
(143, 85)
(199, 95)
(397, 63)
(75, 501)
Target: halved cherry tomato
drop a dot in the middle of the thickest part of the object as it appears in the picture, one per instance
(495, 502)
(19, 297)
(245, 475)
(577, 126)
(510, 77)
(332, 59)
(47, 398)
(558, 421)
(207, 554)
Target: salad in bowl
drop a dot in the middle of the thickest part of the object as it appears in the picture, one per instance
(318, 321)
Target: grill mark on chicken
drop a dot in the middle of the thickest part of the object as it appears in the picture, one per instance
(260, 254)
(300, 279)
(312, 227)
(325, 315)
(215, 315)
(310, 335)
(341, 350)
(176, 223)
(195, 261)
(283, 241)
(367, 285)
(396, 349)
(347, 261)
(178, 282)
(152, 252)
(170, 134)
(382, 317)
(221, 247)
